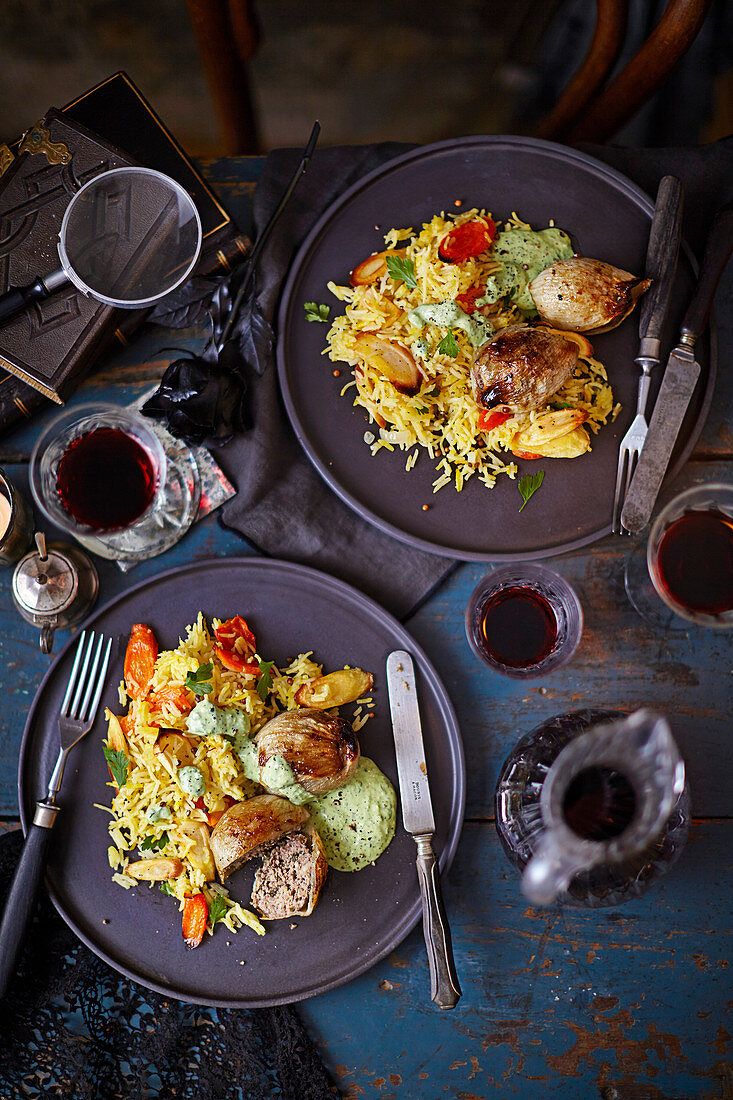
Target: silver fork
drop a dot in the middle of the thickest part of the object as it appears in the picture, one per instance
(76, 718)
(661, 262)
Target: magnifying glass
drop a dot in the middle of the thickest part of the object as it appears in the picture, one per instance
(128, 237)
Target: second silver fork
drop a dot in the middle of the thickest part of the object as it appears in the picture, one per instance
(661, 263)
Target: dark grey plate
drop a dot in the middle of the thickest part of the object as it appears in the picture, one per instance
(609, 218)
(360, 918)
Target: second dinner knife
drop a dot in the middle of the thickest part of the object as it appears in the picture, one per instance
(679, 380)
(417, 815)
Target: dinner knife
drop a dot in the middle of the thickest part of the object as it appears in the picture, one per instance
(417, 816)
(679, 380)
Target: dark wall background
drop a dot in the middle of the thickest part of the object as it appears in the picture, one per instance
(418, 70)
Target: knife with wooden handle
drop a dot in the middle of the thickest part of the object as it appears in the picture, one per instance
(417, 815)
(679, 381)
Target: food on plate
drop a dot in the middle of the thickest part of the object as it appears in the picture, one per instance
(290, 877)
(585, 295)
(521, 368)
(343, 686)
(319, 751)
(248, 828)
(425, 327)
(216, 762)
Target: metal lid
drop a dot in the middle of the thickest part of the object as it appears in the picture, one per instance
(45, 582)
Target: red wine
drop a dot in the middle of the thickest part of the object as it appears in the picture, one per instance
(695, 561)
(518, 627)
(106, 479)
(599, 803)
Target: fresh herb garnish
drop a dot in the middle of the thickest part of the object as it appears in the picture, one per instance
(449, 345)
(265, 681)
(154, 844)
(217, 910)
(167, 889)
(557, 405)
(199, 682)
(117, 762)
(401, 269)
(530, 484)
(317, 311)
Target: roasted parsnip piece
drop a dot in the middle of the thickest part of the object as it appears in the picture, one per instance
(175, 746)
(343, 686)
(391, 360)
(549, 426)
(115, 737)
(200, 855)
(154, 870)
(372, 268)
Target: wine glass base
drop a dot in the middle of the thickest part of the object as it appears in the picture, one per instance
(172, 515)
(644, 598)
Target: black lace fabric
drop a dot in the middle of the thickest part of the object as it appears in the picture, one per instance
(71, 1027)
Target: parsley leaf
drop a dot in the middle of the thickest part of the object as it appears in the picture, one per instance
(557, 405)
(117, 762)
(167, 889)
(265, 681)
(154, 844)
(217, 910)
(449, 345)
(317, 311)
(199, 682)
(400, 268)
(530, 484)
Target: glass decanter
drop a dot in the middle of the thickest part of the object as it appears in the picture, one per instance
(593, 806)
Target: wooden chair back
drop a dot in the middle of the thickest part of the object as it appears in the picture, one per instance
(592, 110)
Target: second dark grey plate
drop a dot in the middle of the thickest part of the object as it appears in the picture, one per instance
(360, 917)
(609, 218)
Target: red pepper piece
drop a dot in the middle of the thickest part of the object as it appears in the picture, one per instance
(235, 663)
(467, 240)
(228, 632)
(525, 454)
(195, 916)
(488, 419)
(467, 300)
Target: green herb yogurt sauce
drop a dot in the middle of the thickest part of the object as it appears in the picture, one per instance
(523, 253)
(206, 719)
(450, 315)
(356, 822)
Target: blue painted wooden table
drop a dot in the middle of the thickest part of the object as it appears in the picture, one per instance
(622, 1003)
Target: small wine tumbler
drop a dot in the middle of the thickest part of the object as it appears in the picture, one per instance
(16, 523)
(524, 620)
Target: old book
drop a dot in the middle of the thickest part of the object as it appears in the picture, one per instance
(133, 133)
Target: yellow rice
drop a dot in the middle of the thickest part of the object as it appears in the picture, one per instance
(151, 781)
(442, 419)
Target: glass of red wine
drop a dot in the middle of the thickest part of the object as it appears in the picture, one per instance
(524, 620)
(688, 569)
(100, 472)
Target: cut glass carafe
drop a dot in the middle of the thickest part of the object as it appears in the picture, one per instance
(593, 806)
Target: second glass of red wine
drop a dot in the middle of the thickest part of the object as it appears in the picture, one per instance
(686, 569)
(96, 471)
(524, 620)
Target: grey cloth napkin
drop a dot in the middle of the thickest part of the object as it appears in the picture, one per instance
(282, 506)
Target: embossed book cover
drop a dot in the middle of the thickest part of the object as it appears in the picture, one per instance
(50, 347)
(50, 338)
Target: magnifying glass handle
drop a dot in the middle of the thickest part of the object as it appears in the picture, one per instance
(19, 298)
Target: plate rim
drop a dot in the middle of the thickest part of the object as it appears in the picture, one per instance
(284, 307)
(448, 715)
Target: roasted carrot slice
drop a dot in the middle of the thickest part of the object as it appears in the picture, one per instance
(195, 916)
(140, 658)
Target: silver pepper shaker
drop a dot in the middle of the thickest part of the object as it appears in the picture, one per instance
(54, 587)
